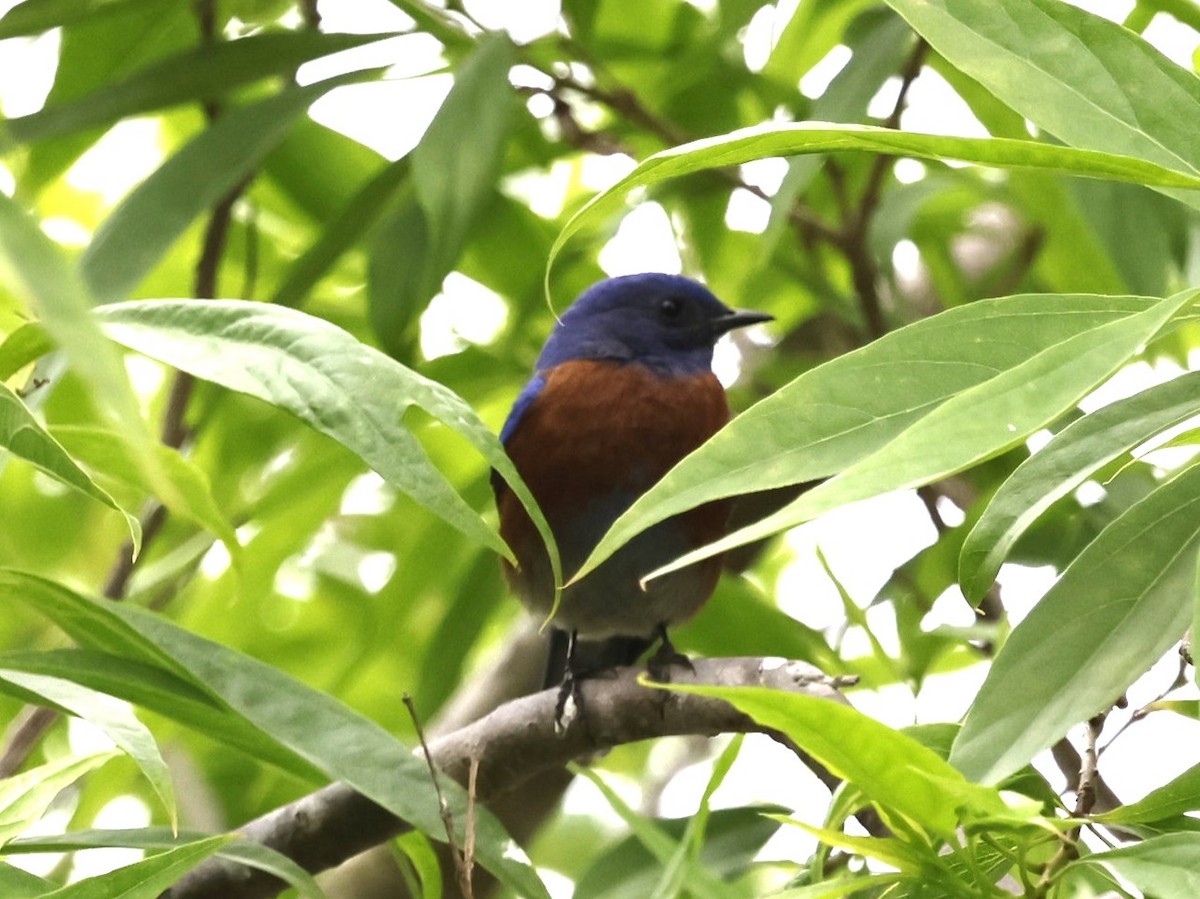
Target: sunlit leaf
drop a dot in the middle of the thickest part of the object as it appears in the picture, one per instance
(313, 725)
(898, 773)
(1180, 795)
(334, 383)
(146, 879)
(1067, 461)
(1167, 865)
(152, 217)
(25, 797)
(22, 435)
(454, 170)
(112, 717)
(792, 139)
(1120, 604)
(961, 396)
(192, 498)
(206, 72)
(247, 852)
(1084, 79)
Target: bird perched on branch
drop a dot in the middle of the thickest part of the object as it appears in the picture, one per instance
(623, 390)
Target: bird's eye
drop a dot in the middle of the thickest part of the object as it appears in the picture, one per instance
(670, 307)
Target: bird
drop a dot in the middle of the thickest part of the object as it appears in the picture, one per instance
(622, 390)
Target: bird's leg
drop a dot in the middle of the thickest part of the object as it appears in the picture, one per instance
(659, 665)
(568, 689)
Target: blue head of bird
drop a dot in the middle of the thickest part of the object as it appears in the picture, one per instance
(667, 323)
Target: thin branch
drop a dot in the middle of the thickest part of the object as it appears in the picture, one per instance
(510, 746)
(855, 230)
(460, 864)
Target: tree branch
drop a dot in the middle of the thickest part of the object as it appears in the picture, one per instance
(513, 744)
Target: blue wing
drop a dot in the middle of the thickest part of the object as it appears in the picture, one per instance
(523, 401)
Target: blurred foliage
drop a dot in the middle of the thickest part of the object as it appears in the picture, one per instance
(360, 308)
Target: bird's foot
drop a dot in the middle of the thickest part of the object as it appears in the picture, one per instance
(659, 665)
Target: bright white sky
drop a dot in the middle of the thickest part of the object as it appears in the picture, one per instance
(894, 527)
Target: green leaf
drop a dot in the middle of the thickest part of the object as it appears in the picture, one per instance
(151, 218)
(1118, 606)
(23, 346)
(1167, 865)
(146, 685)
(36, 16)
(1067, 461)
(246, 852)
(794, 139)
(112, 717)
(895, 771)
(1088, 81)
(337, 385)
(834, 889)
(204, 73)
(192, 497)
(359, 215)
(23, 436)
(314, 726)
(25, 797)
(456, 163)
(1004, 405)
(454, 170)
(34, 267)
(674, 873)
(655, 840)
(145, 879)
(18, 884)
(1181, 795)
(732, 838)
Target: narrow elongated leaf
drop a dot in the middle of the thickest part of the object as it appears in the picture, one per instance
(112, 717)
(1062, 465)
(892, 769)
(22, 347)
(1168, 865)
(893, 426)
(192, 499)
(206, 72)
(23, 436)
(1118, 606)
(145, 685)
(794, 139)
(35, 16)
(656, 841)
(456, 163)
(247, 852)
(733, 836)
(18, 884)
(1179, 796)
(148, 221)
(25, 797)
(315, 727)
(145, 879)
(1088, 81)
(35, 268)
(454, 170)
(359, 215)
(334, 383)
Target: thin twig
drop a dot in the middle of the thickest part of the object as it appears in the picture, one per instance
(855, 231)
(1085, 802)
(460, 863)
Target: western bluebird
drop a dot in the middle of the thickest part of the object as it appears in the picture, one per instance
(623, 390)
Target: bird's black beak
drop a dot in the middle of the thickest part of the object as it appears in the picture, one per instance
(738, 318)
